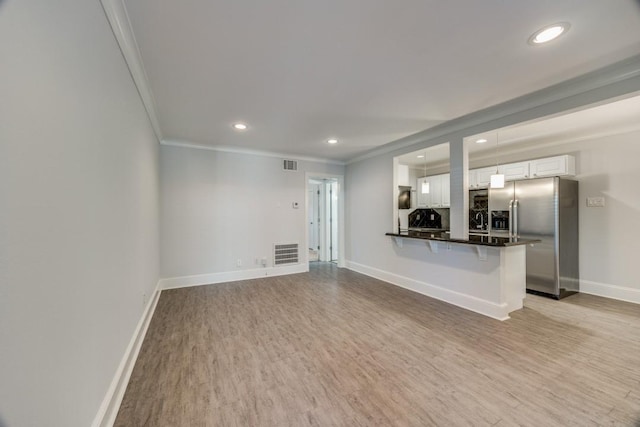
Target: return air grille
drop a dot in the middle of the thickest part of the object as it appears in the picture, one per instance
(285, 254)
(290, 165)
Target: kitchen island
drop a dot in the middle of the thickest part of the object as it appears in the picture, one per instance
(474, 239)
(484, 274)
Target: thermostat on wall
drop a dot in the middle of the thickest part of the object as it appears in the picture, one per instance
(295, 205)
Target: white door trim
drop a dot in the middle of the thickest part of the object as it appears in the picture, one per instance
(341, 216)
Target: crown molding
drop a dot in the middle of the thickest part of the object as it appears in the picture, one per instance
(249, 151)
(118, 18)
(597, 86)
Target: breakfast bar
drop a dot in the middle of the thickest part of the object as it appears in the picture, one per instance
(484, 274)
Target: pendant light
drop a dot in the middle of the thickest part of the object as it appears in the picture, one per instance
(497, 179)
(425, 183)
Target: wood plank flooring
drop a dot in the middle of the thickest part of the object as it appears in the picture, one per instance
(336, 348)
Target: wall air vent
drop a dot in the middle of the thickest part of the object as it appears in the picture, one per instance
(285, 253)
(290, 165)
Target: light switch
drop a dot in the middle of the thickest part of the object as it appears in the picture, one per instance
(595, 202)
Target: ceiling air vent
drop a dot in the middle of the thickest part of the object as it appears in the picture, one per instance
(285, 253)
(290, 165)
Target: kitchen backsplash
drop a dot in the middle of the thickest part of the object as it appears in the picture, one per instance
(429, 218)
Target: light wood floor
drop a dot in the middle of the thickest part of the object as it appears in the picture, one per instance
(336, 348)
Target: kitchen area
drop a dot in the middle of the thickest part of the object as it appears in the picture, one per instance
(536, 201)
(567, 182)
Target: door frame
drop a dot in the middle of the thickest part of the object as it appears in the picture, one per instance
(341, 215)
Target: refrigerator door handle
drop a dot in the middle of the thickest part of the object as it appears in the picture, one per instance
(516, 225)
(510, 218)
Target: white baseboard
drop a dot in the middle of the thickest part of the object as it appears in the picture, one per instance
(610, 291)
(231, 276)
(111, 403)
(487, 308)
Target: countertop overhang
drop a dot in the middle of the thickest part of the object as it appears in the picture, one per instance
(496, 242)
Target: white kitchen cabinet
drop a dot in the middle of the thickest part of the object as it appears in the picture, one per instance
(438, 195)
(422, 199)
(435, 191)
(473, 179)
(514, 171)
(446, 190)
(553, 166)
(403, 175)
(483, 176)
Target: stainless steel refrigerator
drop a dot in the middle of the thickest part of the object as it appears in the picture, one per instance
(545, 209)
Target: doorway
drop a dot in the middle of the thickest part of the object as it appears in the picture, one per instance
(324, 218)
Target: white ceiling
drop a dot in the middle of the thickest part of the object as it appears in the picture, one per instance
(607, 119)
(367, 72)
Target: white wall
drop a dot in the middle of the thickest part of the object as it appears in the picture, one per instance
(609, 236)
(79, 211)
(219, 207)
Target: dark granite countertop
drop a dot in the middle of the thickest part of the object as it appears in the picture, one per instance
(473, 239)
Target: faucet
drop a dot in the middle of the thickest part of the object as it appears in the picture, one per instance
(481, 220)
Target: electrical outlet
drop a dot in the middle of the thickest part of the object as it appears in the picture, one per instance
(264, 262)
(238, 262)
(595, 202)
(145, 299)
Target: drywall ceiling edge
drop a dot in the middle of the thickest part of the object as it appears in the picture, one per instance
(186, 144)
(560, 97)
(118, 18)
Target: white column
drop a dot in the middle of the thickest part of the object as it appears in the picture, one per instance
(459, 167)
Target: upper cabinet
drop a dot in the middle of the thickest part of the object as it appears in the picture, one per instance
(422, 198)
(446, 190)
(553, 166)
(440, 185)
(480, 178)
(403, 175)
(514, 171)
(438, 195)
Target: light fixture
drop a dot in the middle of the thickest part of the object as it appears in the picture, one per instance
(332, 141)
(497, 179)
(548, 33)
(425, 187)
(481, 141)
(239, 126)
(425, 183)
(421, 156)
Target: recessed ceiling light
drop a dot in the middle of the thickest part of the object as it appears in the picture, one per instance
(548, 33)
(481, 141)
(332, 141)
(421, 156)
(239, 126)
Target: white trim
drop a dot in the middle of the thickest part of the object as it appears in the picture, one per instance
(118, 18)
(237, 150)
(487, 308)
(108, 410)
(230, 276)
(583, 90)
(606, 290)
(341, 214)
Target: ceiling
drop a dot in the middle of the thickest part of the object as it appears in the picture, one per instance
(607, 119)
(366, 72)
